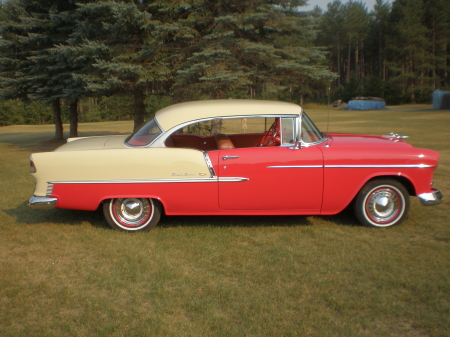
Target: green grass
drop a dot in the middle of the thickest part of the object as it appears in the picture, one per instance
(65, 273)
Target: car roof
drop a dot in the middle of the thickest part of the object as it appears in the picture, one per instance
(177, 114)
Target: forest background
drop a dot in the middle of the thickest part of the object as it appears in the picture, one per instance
(69, 61)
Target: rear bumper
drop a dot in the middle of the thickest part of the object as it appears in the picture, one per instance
(42, 202)
(432, 198)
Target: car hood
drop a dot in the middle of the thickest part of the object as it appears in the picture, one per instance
(94, 143)
(352, 140)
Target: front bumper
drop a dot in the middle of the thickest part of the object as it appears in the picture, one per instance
(432, 198)
(42, 202)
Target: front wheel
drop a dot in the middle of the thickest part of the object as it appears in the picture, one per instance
(132, 214)
(382, 203)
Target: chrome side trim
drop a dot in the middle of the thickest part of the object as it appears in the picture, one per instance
(48, 192)
(432, 198)
(42, 202)
(351, 166)
(140, 181)
(232, 179)
(296, 166)
(155, 181)
(379, 166)
(209, 164)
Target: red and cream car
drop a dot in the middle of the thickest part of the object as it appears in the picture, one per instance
(234, 157)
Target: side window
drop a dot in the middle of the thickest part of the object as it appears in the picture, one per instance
(236, 126)
(228, 126)
(203, 129)
(237, 132)
(287, 130)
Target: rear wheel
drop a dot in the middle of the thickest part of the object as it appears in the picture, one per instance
(132, 214)
(382, 203)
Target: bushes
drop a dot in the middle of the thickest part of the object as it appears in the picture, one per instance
(17, 112)
(114, 108)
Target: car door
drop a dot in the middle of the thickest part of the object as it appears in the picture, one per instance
(274, 178)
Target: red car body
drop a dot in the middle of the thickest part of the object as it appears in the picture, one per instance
(275, 172)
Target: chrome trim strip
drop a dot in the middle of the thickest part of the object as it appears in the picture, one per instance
(432, 198)
(42, 202)
(156, 181)
(379, 166)
(159, 141)
(140, 181)
(351, 166)
(149, 144)
(209, 164)
(49, 190)
(232, 179)
(296, 166)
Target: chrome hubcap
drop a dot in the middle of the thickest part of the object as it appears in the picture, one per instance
(383, 205)
(132, 211)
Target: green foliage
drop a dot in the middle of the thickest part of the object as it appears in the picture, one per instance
(17, 112)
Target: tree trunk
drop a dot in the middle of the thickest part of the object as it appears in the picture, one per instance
(348, 60)
(59, 130)
(73, 116)
(338, 60)
(139, 108)
(357, 62)
(216, 127)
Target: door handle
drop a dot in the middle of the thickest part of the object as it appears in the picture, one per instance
(229, 157)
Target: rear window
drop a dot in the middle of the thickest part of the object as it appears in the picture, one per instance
(145, 135)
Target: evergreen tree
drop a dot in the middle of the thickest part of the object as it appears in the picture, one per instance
(437, 19)
(116, 34)
(259, 46)
(410, 47)
(332, 34)
(31, 67)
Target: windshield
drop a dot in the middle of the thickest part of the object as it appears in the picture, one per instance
(310, 132)
(145, 135)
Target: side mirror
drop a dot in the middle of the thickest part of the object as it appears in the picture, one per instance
(297, 146)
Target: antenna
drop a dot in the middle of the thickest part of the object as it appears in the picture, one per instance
(328, 121)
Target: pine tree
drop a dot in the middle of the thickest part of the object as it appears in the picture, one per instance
(116, 34)
(410, 46)
(31, 67)
(332, 34)
(263, 47)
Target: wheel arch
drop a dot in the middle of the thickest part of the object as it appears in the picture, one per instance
(154, 199)
(401, 179)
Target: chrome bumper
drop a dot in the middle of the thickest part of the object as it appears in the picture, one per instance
(432, 198)
(42, 202)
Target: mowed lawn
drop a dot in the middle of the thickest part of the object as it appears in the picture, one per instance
(65, 273)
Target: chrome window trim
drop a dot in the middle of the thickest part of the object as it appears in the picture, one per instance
(160, 140)
(149, 144)
(305, 144)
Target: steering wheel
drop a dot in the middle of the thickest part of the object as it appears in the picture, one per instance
(272, 136)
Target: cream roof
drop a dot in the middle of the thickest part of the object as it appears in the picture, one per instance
(177, 114)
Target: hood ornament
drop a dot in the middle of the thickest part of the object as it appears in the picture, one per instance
(395, 135)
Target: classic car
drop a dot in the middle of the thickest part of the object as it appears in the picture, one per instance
(234, 157)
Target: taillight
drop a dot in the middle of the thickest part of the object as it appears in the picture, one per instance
(32, 167)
